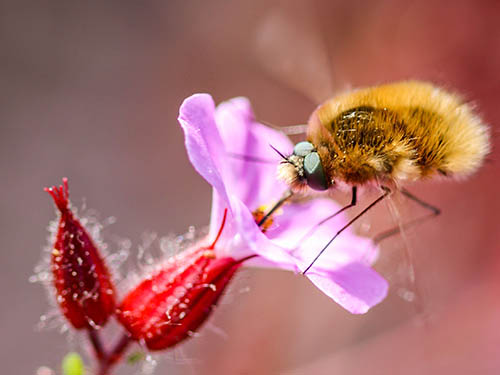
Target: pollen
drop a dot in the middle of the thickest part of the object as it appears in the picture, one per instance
(259, 214)
(210, 254)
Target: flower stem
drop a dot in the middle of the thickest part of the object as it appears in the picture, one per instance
(96, 344)
(114, 356)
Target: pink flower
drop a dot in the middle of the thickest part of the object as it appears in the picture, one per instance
(228, 148)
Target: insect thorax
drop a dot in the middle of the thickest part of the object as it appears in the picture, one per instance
(366, 143)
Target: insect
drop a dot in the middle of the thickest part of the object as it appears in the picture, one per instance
(380, 136)
(384, 136)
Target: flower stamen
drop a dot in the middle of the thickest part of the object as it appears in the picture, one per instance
(262, 220)
(259, 215)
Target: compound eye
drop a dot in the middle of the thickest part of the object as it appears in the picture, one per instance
(303, 149)
(313, 171)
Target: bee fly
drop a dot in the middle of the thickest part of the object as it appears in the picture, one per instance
(384, 136)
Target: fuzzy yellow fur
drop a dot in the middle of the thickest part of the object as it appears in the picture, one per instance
(400, 131)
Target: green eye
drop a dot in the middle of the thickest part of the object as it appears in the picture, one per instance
(313, 170)
(303, 149)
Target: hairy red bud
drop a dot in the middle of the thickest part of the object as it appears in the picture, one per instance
(169, 305)
(82, 282)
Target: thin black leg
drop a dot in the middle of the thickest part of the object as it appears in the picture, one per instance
(354, 200)
(386, 190)
(285, 197)
(434, 209)
(393, 231)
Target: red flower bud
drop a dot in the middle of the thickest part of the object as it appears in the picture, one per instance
(174, 301)
(82, 281)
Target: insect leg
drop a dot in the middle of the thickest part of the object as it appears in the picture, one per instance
(386, 190)
(391, 232)
(436, 211)
(354, 200)
(293, 129)
(285, 197)
(309, 233)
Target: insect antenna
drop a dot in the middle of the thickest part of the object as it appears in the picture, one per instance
(386, 190)
(277, 151)
(285, 159)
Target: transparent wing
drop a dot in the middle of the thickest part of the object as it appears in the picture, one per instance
(398, 257)
(293, 52)
(409, 265)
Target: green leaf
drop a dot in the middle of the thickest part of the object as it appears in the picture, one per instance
(72, 364)
(135, 357)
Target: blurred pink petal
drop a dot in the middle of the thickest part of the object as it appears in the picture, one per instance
(248, 146)
(355, 286)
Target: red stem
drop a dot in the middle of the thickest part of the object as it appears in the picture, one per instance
(114, 356)
(97, 344)
(107, 360)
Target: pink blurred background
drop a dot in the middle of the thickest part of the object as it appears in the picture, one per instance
(91, 91)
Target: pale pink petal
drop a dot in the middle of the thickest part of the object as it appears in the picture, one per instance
(257, 241)
(206, 152)
(296, 227)
(250, 158)
(355, 286)
(260, 262)
(219, 206)
(203, 143)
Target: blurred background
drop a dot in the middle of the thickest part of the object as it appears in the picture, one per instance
(91, 91)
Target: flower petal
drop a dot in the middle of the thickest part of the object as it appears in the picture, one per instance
(251, 160)
(257, 242)
(355, 286)
(297, 228)
(206, 152)
(219, 207)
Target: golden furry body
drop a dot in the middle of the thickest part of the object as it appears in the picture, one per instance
(395, 132)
